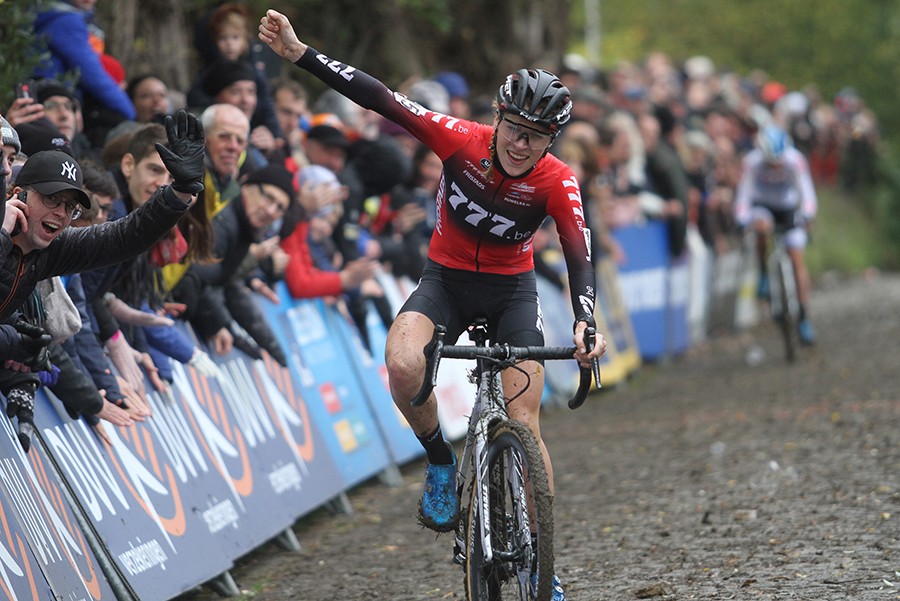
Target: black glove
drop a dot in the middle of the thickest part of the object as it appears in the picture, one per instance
(183, 155)
(31, 349)
(244, 342)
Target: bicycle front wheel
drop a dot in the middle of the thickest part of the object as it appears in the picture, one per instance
(788, 320)
(518, 520)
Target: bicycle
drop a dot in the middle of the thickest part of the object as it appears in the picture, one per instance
(784, 303)
(505, 540)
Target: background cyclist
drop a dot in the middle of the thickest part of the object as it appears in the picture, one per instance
(776, 187)
(498, 185)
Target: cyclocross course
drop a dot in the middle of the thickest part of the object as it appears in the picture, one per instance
(703, 478)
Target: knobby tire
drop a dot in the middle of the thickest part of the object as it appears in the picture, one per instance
(787, 319)
(511, 441)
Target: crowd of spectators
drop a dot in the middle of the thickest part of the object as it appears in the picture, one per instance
(665, 140)
(325, 196)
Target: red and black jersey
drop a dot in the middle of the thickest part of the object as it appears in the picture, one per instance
(483, 225)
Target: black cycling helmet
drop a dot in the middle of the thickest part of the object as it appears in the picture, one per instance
(538, 96)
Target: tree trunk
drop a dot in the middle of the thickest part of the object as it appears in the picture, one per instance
(149, 36)
(505, 37)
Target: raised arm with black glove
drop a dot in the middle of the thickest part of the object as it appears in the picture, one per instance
(184, 152)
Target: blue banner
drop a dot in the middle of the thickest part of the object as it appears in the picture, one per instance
(151, 495)
(372, 379)
(656, 299)
(335, 403)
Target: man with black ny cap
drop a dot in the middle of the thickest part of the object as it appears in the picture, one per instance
(48, 195)
(21, 347)
(208, 289)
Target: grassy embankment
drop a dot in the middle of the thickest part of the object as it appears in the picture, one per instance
(846, 239)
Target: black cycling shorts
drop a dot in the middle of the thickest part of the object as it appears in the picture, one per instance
(784, 218)
(454, 298)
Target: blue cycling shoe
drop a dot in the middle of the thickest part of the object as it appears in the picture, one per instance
(439, 506)
(762, 288)
(558, 593)
(807, 334)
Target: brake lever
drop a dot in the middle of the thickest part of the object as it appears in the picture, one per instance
(590, 338)
(432, 352)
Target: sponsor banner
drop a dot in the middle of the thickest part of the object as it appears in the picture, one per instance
(239, 417)
(746, 308)
(149, 495)
(561, 377)
(656, 299)
(288, 406)
(700, 270)
(372, 380)
(286, 470)
(733, 302)
(320, 363)
(678, 331)
(454, 391)
(43, 553)
(613, 319)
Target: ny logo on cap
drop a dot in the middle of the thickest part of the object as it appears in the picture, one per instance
(68, 169)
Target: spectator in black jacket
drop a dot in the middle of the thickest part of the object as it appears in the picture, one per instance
(665, 174)
(266, 195)
(20, 349)
(47, 196)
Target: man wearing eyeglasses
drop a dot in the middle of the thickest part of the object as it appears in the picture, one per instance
(211, 291)
(36, 242)
(48, 195)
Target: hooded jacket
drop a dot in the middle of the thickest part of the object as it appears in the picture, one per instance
(67, 32)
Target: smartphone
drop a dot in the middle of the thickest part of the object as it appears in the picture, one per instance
(23, 89)
(23, 196)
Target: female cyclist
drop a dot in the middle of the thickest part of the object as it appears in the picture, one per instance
(498, 185)
(776, 188)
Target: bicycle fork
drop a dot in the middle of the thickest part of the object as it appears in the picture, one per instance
(474, 458)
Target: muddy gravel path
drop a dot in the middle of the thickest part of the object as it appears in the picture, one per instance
(701, 478)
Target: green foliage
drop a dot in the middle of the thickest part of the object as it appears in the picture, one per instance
(846, 238)
(884, 199)
(17, 58)
(436, 13)
(829, 43)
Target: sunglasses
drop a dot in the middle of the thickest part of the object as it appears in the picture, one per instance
(534, 139)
